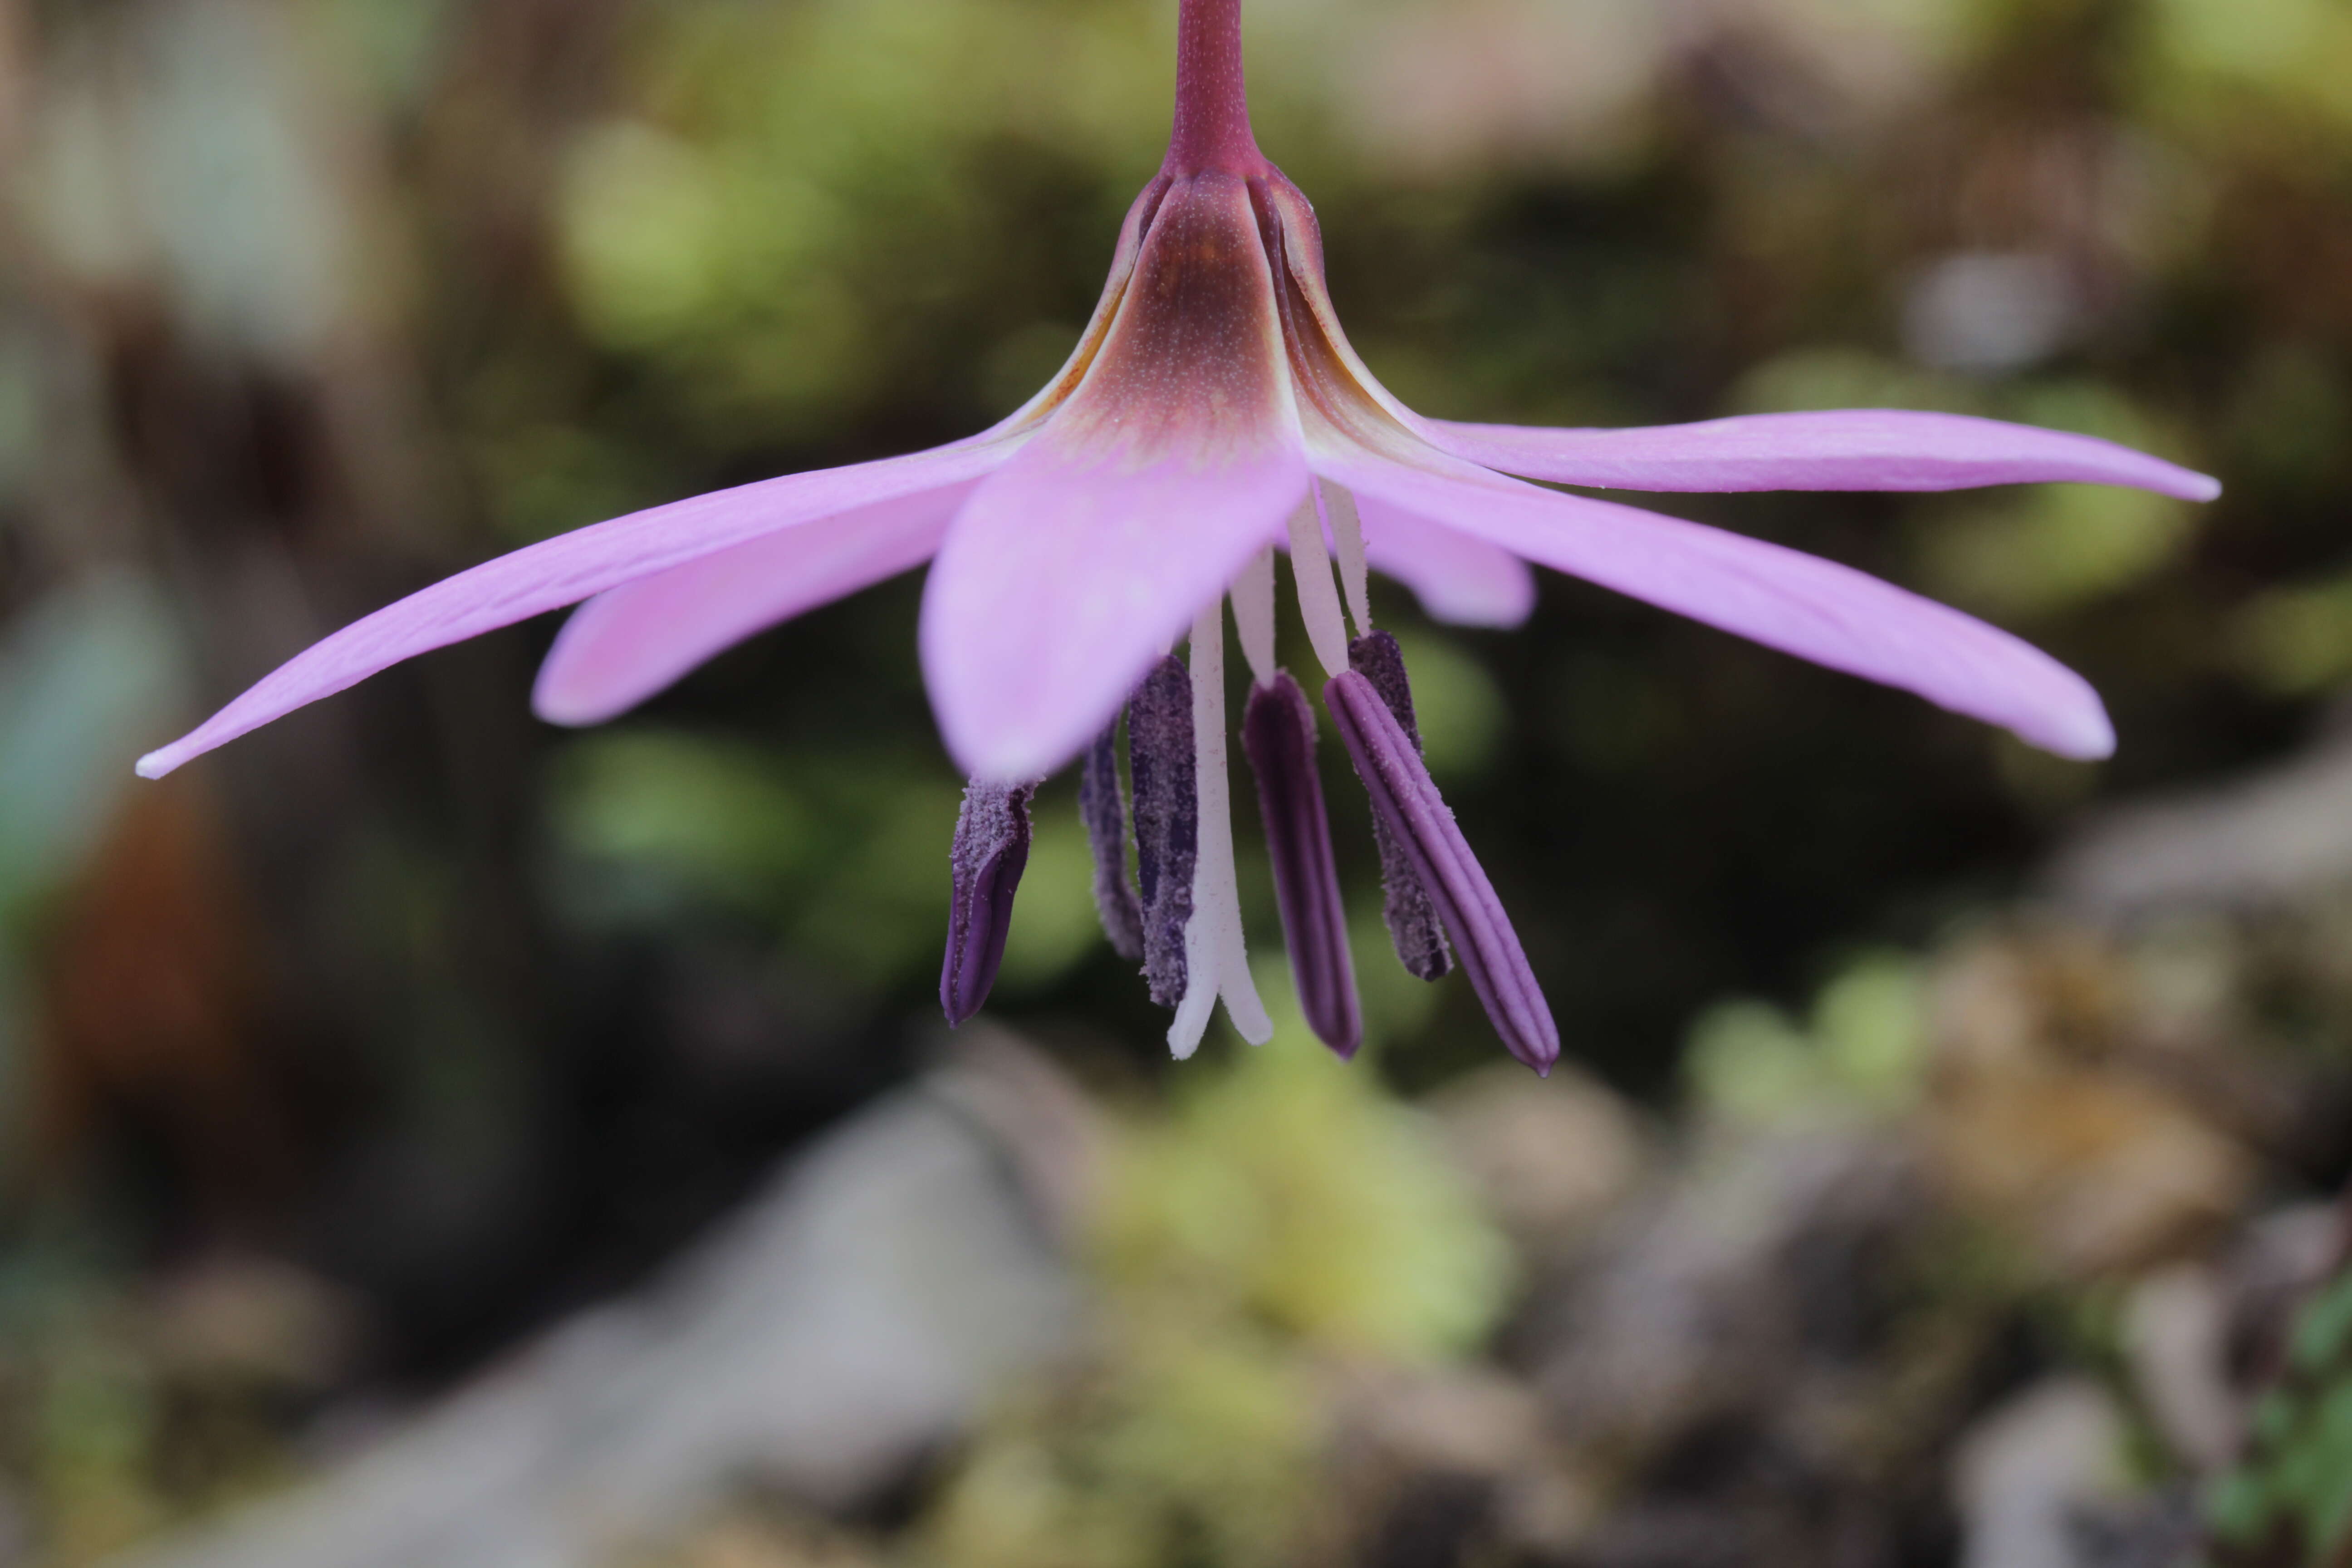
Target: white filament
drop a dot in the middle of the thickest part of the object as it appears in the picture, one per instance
(1215, 961)
(1347, 543)
(1318, 602)
(1253, 614)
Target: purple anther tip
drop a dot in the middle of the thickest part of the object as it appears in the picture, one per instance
(1104, 810)
(1413, 926)
(1161, 761)
(1278, 736)
(991, 851)
(1406, 799)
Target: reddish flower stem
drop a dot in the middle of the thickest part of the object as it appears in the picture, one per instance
(1212, 128)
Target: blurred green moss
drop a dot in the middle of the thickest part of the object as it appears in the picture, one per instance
(1862, 1050)
(2290, 1501)
(1286, 1216)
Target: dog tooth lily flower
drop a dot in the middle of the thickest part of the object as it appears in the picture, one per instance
(1213, 412)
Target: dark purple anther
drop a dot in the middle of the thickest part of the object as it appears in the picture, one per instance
(1279, 734)
(1104, 810)
(992, 849)
(1414, 925)
(1399, 783)
(1167, 819)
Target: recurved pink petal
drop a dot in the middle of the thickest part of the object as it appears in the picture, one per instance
(1139, 502)
(1361, 437)
(1800, 604)
(1856, 449)
(1458, 578)
(1850, 449)
(630, 642)
(572, 567)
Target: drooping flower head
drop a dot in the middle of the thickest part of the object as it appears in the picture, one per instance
(1212, 414)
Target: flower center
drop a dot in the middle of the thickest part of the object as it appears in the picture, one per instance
(1181, 917)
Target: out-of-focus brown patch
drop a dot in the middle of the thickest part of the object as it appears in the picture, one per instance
(2042, 1115)
(155, 1003)
(759, 1533)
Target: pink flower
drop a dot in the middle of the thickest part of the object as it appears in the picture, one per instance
(1213, 412)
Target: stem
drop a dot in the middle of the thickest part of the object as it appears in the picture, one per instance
(1212, 128)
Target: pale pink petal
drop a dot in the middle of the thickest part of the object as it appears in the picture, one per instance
(1065, 578)
(1458, 579)
(1800, 604)
(569, 568)
(1851, 449)
(630, 642)
(1138, 502)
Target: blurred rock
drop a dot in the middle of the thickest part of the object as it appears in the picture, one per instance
(2176, 1331)
(2159, 1531)
(256, 1319)
(1990, 313)
(849, 1320)
(1745, 1371)
(1551, 1156)
(1470, 1420)
(2270, 837)
(2027, 1473)
(1712, 1297)
(1046, 1128)
(1433, 1460)
(2272, 1268)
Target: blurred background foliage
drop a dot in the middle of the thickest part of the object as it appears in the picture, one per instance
(437, 1023)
